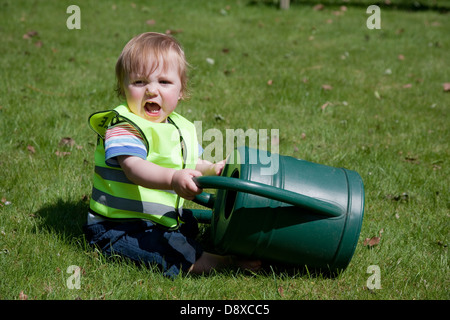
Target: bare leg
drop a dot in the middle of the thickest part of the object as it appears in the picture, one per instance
(209, 261)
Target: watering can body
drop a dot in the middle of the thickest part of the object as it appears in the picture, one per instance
(285, 210)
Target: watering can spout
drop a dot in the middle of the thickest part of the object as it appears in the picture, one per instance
(205, 199)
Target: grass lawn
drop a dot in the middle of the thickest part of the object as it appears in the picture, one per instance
(340, 94)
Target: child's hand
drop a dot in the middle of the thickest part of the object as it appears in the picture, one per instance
(183, 184)
(218, 167)
(208, 168)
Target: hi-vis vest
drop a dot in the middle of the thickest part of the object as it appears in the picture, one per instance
(171, 145)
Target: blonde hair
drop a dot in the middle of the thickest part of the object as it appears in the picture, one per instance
(157, 46)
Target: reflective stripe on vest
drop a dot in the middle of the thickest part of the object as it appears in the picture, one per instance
(114, 195)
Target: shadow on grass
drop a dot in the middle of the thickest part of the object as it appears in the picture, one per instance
(65, 218)
(404, 5)
(268, 268)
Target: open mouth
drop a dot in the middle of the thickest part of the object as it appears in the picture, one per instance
(152, 108)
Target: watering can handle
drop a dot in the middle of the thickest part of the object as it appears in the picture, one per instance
(267, 191)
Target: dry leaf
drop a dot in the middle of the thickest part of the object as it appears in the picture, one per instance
(326, 87)
(22, 296)
(446, 86)
(372, 241)
(30, 34)
(407, 86)
(150, 22)
(61, 153)
(172, 32)
(318, 7)
(67, 141)
(5, 202)
(281, 291)
(401, 57)
(31, 149)
(324, 105)
(270, 82)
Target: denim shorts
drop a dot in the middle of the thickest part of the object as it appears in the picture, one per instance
(148, 244)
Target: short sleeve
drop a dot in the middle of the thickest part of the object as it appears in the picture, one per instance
(123, 139)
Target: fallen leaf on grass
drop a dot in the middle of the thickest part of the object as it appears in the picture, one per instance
(326, 104)
(281, 291)
(31, 149)
(407, 86)
(30, 34)
(150, 22)
(399, 197)
(269, 82)
(318, 7)
(327, 87)
(371, 242)
(446, 86)
(62, 153)
(412, 159)
(5, 202)
(67, 141)
(172, 32)
(22, 296)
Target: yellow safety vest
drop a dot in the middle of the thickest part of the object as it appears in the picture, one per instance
(171, 145)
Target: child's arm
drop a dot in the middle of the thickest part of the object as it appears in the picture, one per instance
(208, 168)
(152, 176)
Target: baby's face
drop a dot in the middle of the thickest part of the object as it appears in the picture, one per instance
(154, 96)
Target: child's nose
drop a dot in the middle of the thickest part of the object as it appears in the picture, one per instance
(151, 90)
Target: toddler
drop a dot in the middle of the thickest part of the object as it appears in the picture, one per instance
(146, 157)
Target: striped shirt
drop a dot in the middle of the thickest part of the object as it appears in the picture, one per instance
(123, 139)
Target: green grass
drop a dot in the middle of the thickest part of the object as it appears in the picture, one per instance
(386, 118)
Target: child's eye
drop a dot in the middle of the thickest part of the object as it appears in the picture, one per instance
(139, 83)
(164, 82)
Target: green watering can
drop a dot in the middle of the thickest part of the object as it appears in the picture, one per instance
(281, 209)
